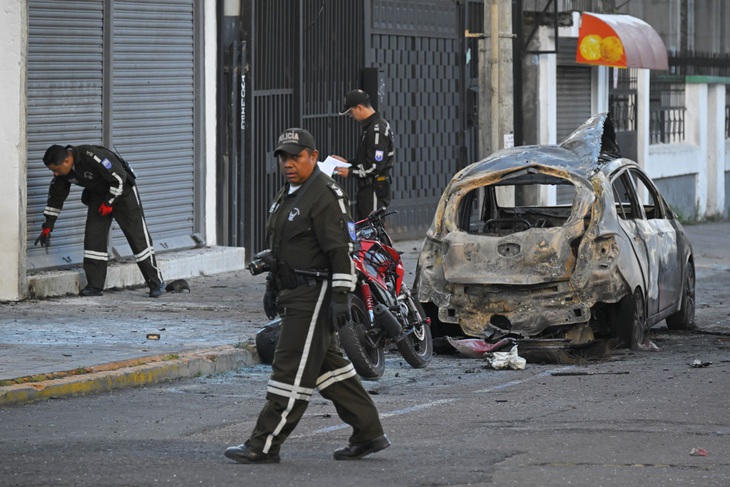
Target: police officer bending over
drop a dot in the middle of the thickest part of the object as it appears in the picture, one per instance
(311, 235)
(109, 192)
(374, 157)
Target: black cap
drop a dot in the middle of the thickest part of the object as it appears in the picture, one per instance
(295, 140)
(353, 99)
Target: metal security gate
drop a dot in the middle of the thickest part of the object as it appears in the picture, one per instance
(153, 113)
(65, 105)
(138, 96)
(417, 46)
(622, 103)
(302, 57)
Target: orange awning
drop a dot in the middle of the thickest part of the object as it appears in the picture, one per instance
(620, 41)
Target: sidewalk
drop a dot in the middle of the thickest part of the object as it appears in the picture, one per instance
(90, 345)
(68, 345)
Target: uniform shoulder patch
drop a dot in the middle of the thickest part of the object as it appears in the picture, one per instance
(106, 163)
(336, 189)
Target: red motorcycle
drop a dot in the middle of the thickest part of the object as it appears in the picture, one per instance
(383, 309)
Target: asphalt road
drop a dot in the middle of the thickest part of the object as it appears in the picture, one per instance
(626, 419)
(631, 419)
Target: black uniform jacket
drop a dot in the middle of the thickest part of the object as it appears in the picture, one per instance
(98, 170)
(375, 153)
(313, 230)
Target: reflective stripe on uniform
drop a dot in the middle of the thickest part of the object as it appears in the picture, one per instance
(51, 211)
(145, 254)
(93, 255)
(327, 379)
(344, 280)
(286, 390)
(147, 239)
(300, 370)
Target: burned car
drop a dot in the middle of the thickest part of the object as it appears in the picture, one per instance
(611, 261)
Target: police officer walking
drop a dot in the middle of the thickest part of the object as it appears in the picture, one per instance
(311, 235)
(110, 193)
(374, 157)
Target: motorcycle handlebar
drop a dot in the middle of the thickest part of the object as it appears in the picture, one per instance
(376, 216)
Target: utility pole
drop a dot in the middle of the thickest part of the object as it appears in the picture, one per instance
(496, 111)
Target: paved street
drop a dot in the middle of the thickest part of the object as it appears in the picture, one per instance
(629, 418)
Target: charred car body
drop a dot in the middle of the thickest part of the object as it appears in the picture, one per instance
(612, 263)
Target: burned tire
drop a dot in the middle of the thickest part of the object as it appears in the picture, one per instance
(367, 357)
(684, 319)
(631, 325)
(417, 347)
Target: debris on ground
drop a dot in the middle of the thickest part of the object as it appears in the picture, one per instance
(506, 360)
(178, 286)
(698, 452)
(476, 347)
(699, 364)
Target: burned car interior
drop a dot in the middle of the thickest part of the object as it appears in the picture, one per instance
(484, 210)
(606, 257)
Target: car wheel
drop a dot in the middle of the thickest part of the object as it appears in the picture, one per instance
(684, 319)
(631, 326)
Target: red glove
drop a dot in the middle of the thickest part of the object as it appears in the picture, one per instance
(44, 238)
(105, 209)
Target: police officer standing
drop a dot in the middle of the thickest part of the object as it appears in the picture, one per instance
(311, 235)
(109, 192)
(374, 157)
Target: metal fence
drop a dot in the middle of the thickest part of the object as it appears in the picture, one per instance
(598, 6)
(667, 111)
(295, 62)
(686, 63)
(622, 99)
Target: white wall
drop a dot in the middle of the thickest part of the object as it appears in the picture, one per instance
(704, 153)
(671, 160)
(13, 35)
(210, 120)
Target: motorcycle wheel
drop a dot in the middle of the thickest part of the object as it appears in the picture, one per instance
(417, 347)
(367, 357)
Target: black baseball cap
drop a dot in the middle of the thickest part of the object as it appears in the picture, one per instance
(353, 99)
(294, 140)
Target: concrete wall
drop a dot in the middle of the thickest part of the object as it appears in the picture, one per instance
(727, 178)
(13, 39)
(698, 167)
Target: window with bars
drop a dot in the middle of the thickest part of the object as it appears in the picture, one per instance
(667, 111)
(622, 99)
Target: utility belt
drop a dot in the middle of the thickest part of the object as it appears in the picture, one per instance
(371, 180)
(287, 278)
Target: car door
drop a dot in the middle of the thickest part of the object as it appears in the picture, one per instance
(642, 235)
(664, 237)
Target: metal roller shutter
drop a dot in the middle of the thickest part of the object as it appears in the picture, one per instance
(153, 117)
(573, 100)
(65, 78)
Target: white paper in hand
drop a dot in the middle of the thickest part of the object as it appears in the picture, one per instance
(328, 165)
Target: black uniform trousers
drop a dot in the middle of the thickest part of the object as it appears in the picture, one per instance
(128, 213)
(371, 197)
(306, 359)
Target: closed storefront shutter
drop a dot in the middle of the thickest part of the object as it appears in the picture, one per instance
(65, 80)
(147, 75)
(573, 100)
(154, 113)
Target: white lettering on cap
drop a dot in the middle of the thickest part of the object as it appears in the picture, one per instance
(289, 137)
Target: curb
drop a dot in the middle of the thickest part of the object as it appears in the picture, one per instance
(126, 374)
